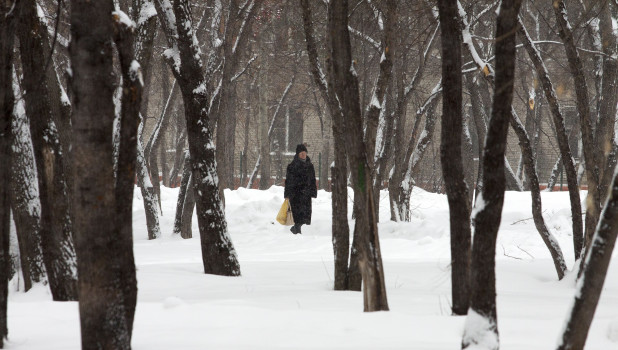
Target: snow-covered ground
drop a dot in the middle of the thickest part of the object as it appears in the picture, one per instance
(284, 299)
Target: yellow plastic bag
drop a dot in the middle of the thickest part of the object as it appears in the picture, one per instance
(284, 217)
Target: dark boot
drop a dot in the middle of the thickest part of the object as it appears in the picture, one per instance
(293, 229)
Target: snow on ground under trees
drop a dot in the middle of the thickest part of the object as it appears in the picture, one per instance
(284, 299)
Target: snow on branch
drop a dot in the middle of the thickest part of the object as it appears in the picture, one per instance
(467, 40)
(417, 75)
(244, 69)
(367, 38)
(247, 11)
(281, 100)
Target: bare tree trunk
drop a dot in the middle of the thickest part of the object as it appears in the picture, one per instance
(218, 253)
(478, 113)
(264, 139)
(125, 178)
(103, 314)
(57, 235)
(563, 140)
(590, 285)
(178, 158)
(481, 329)
(151, 207)
(186, 221)
(468, 160)
(25, 203)
(412, 161)
(591, 152)
(344, 278)
(184, 186)
(345, 85)
(7, 100)
(537, 211)
(451, 156)
(607, 106)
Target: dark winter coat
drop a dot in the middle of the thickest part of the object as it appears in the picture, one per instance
(299, 188)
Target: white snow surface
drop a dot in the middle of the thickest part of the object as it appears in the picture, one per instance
(284, 299)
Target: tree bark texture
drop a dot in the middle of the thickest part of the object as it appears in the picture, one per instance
(451, 156)
(345, 84)
(103, 314)
(56, 225)
(151, 205)
(590, 284)
(182, 194)
(178, 158)
(7, 100)
(218, 253)
(489, 206)
(188, 206)
(25, 203)
(563, 140)
(127, 158)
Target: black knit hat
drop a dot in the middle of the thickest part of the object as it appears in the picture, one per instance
(300, 148)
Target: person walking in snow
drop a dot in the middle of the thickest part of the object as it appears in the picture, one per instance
(300, 187)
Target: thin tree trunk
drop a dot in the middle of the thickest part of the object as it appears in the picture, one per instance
(451, 156)
(607, 106)
(481, 328)
(57, 235)
(178, 158)
(468, 160)
(345, 84)
(590, 285)
(103, 314)
(182, 193)
(264, 139)
(537, 211)
(553, 177)
(345, 278)
(186, 221)
(151, 207)
(591, 152)
(125, 178)
(478, 114)
(7, 100)
(563, 140)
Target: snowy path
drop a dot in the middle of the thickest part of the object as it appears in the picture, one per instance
(284, 299)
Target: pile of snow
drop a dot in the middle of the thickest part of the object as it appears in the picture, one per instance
(285, 300)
